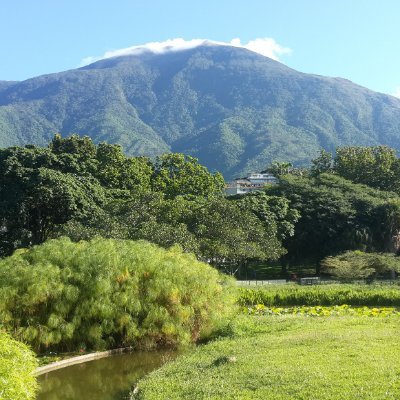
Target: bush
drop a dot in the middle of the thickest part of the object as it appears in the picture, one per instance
(17, 366)
(108, 293)
(324, 295)
(359, 265)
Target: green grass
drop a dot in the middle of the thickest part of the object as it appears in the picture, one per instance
(326, 295)
(287, 357)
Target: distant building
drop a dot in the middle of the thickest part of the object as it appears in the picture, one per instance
(250, 184)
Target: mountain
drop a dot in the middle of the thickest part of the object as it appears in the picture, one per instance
(234, 109)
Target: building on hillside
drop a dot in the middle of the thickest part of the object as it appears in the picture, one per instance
(250, 184)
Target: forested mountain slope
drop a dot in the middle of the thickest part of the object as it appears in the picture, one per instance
(233, 109)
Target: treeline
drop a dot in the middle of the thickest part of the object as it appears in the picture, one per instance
(78, 189)
(349, 206)
(75, 188)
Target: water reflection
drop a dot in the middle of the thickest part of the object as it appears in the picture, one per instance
(105, 379)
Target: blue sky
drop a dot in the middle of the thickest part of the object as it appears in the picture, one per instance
(354, 39)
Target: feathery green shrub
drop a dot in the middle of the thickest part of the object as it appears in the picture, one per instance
(17, 366)
(107, 293)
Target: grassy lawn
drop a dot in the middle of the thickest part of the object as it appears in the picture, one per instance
(288, 357)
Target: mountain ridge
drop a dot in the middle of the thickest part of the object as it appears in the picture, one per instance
(232, 108)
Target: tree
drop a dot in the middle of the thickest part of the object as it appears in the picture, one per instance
(322, 164)
(274, 211)
(229, 235)
(359, 265)
(35, 198)
(115, 170)
(375, 166)
(74, 154)
(176, 174)
(278, 168)
(337, 215)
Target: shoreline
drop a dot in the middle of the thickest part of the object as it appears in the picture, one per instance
(79, 359)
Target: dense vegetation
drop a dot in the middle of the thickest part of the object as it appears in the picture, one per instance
(339, 215)
(17, 367)
(80, 190)
(287, 357)
(77, 189)
(323, 295)
(233, 109)
(110, 293)
(78, 272)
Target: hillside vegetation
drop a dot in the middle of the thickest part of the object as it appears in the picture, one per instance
(233, 109)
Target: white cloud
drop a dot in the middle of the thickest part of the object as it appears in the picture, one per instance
(396, 92)
(266, 46)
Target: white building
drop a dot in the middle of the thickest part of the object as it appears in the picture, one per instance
(250, 184)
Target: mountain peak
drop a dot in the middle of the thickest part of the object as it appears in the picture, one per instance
(233, 109)
(170, 45)
(267, 47)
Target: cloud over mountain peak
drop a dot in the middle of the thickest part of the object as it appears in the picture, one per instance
(265, 46)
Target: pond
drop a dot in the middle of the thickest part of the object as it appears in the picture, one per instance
(110, 378)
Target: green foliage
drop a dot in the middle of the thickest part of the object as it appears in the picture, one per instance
(115, 170)
(322, 164)
(337, 215)
(273, 211)
(36, 196)
(224, 232)
(229, 234)
(82, 190)
(286, 357)
(109, 293)
(375, 166)
(177, 174)
(323, 295)
(323, 311)
(359, 265)
(17, 367)
(235, 111)
(278, 168)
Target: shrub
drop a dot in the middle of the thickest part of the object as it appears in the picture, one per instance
(107, 293)
(17, 366)
(324, 295)
(359, 265)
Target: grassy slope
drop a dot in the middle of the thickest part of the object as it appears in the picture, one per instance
(289, 357)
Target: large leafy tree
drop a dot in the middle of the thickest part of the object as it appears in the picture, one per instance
(176, 174)
(375, 166)
(35, 197)
(115, 170)
(229, 234)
